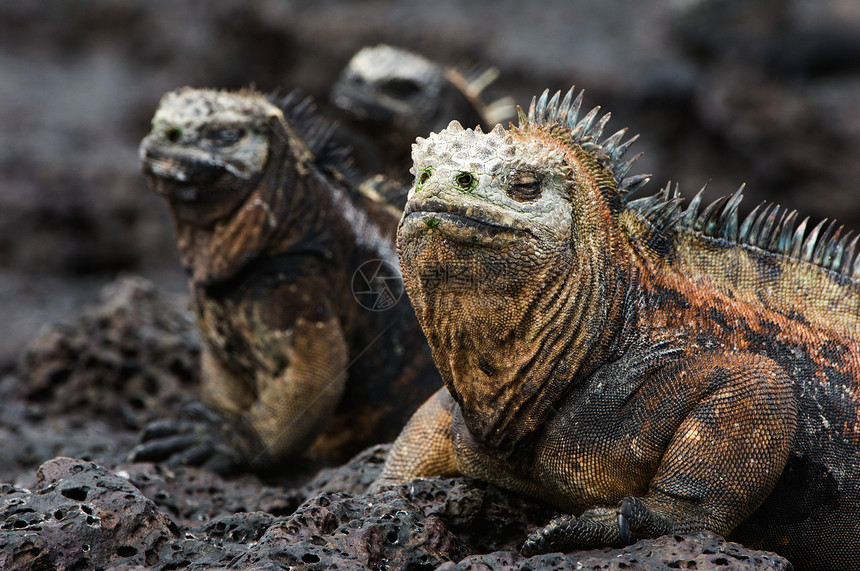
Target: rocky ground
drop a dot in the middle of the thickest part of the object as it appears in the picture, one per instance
(727, 91)
(92, 384)
(82, 391)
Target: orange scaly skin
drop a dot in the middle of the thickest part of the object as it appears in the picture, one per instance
(647, 368)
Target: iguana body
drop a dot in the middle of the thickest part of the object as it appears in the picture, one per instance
(275, 238)
(648, 368)
(395, 95)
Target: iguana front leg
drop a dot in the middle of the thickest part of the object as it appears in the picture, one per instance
(210, 433)
(299, 359)
(293, 406)
(722, 462)
(424, 447)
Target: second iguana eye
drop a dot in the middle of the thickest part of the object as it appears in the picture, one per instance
(226, 136)
(466, 181)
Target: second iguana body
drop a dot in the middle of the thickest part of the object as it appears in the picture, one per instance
(646, 368)
(292, 269)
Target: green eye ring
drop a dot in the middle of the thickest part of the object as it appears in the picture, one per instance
(465, 181)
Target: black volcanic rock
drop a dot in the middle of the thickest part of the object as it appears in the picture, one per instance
(79, 515)
(701, 550)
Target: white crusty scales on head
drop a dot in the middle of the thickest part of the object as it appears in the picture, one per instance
(408, 91)
(273, 232)
(645, 367)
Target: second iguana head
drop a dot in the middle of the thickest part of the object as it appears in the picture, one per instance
(207, 150)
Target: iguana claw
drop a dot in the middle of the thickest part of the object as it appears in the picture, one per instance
(541, 540)
(623, 523)
(202, 437)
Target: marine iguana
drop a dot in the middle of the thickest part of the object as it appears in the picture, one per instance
(395, 95)
(646, 367)
(294, 281)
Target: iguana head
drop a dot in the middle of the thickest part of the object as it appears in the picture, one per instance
(221, 160)
(248, 177)
(207, 150)
(397, 87)
(539, 197)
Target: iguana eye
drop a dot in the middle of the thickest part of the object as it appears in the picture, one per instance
(401, 88)
(173, 134)
(524, 186)
(466, 181)
(226, 136)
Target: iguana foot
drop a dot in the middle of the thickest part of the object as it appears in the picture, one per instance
(201, 437)
(566, 532)
(541, 540)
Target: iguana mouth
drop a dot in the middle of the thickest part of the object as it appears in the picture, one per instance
(180, 178)
(456, 219)
(181, 169)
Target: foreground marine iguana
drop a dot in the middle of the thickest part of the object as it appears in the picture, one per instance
(294, 282)
(396, 95)
(648, 367)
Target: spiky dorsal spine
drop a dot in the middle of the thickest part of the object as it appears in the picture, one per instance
(316, 131)
(564, 113)
(769, 227)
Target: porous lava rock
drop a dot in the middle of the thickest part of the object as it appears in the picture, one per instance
(84, 388)
(700, 550)
(419, 525)
(194, 496)
(134, 349)
(79, 515)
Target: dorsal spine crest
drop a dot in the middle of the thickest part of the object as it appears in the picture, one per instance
(560, 117)
(769, 228)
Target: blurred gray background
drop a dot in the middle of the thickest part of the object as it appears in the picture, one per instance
(765, 92)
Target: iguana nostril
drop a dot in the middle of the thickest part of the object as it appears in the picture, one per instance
(173, 134)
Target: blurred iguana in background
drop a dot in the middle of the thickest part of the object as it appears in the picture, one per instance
(294, 283)
(394, 95)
